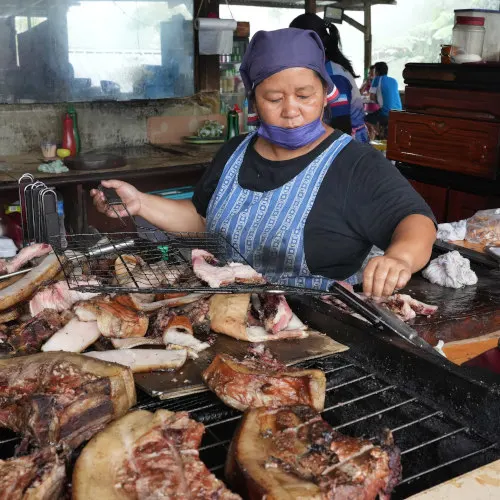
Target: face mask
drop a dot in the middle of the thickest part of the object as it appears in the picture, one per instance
(292, 138)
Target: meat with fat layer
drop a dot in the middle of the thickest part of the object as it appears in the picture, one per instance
(59, 297)
(145, 456)
(39, 476)
(75, 336)
(29, 337)
(24, 288)
(62, 398)
(406, 307)
(292, 453)
(205, 267)
(232, 315)
(113, 318)
(25, 255)
(260, 380)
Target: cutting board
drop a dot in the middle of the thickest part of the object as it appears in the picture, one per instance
(462, 351)
(188, 380)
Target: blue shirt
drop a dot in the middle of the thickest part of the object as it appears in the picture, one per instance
(387, 92)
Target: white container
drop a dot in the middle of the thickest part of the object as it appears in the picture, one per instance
(468, 39)
(491, 46)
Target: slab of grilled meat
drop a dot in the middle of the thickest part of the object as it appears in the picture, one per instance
(261, 380)
(291, 453)
(145, 455)
(39, 476)
(31, 335)
(62, 398)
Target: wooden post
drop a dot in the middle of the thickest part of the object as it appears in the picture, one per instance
(206, 68)
(368, 36)
(310, 6)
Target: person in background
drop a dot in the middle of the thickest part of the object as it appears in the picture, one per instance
(371, 106)
(347, 111)
(385, 92)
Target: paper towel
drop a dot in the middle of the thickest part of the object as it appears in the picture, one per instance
(215, 35)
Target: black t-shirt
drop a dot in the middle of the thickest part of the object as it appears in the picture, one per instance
(362, 199)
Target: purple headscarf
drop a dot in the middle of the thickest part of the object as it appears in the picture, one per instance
(270, 52)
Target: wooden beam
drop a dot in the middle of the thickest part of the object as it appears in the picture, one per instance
(206, 68)
(310, 6)
(368, 36)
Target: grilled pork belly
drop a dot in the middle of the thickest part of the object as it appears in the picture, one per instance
(113, 318)
(39, 476)
(261, 380)
(205, 267)
(291, 453)
(145, 455)
(24, 288)
(30, 336)
(25, 255)
(406, 307)
(75, 336)
(232, 314)
(62, 398)
(59, 297)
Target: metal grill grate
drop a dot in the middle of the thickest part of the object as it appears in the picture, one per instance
(434, 447)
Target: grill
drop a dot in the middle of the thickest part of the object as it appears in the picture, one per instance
(435, 447)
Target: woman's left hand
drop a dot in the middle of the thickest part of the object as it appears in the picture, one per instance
(385, 274)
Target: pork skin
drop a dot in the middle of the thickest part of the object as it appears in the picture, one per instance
(292, 453)
(251, 383)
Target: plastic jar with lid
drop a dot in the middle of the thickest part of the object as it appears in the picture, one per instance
(468, 39)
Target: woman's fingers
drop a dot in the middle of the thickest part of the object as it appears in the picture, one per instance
(383, 275)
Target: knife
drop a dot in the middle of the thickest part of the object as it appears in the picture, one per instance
(379, 316)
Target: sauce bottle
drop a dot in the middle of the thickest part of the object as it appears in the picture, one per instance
(233, 124)
(76, 134)
(68, 141)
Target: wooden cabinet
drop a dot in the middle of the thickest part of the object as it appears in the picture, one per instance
(435, 196)
(452, 144)
(464, 205)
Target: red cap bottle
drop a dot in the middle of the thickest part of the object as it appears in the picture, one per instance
(68, 141)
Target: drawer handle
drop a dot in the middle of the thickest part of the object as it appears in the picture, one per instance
(439, 124)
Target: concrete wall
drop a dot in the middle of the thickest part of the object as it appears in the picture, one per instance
(101, 124)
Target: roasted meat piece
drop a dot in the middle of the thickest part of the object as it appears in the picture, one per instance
(29, 336)
(145, 456)
(292, 453)
(25, 255)
(406, 307)
(113, 318)
(39, 476)
(207, 268)
(261, 380)
(62, 398)
(235, 315)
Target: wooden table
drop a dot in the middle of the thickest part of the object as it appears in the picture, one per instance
(148, 168)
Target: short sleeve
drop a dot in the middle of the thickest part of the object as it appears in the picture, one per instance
(379, 198)
(342, 105)
(207, 185)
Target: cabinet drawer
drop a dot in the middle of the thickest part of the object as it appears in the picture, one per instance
(464, 146)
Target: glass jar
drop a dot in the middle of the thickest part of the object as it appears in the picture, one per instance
(468, 39)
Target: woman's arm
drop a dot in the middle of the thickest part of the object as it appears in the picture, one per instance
(409, 251)
(169, 215)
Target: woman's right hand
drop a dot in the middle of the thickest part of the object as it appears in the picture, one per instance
(131, 198)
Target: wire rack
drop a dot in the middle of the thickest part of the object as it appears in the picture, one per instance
(434, 447)
(148, 262)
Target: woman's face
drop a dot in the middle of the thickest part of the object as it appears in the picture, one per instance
(291, 98)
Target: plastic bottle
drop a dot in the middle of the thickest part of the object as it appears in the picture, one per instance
(68, 141)
(233, 125)
(76, 133)
(244, 125)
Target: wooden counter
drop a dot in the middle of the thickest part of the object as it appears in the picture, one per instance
(148, 167)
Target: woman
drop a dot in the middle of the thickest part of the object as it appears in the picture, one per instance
(302, 202)
(347, 111)
(370, 107)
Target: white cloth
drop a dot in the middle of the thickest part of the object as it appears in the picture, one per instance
(452, 231)
(450, 270)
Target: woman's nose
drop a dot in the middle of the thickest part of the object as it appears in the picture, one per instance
(290, 108)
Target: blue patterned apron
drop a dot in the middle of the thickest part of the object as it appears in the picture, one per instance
(268, 228)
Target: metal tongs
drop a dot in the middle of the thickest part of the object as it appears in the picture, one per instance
(378, 316)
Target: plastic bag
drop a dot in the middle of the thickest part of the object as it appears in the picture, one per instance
(484, 227)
